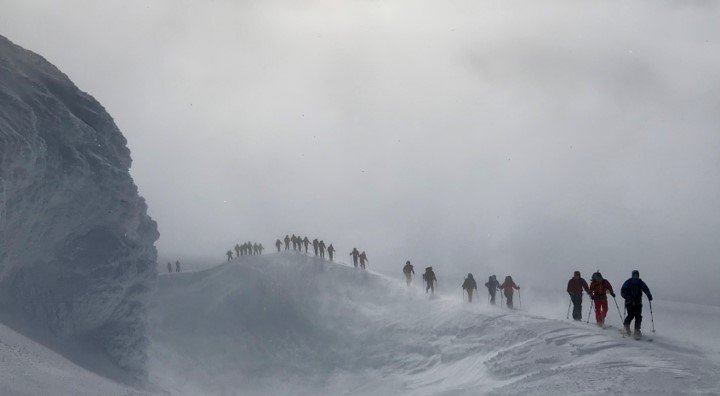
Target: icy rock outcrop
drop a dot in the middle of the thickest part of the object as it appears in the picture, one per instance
(77, 255)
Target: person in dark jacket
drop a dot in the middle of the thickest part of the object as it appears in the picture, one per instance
(355, 254)
(177, 266)
(321, 246)
(493, 286)
(409, 271)
(237, 250)
(316, 246)
(599, 289)
(469, 285)
(507, 288)
(169, 267)
(229, 254)
(287, 242)
(430, 279)
(306, 243)
(632, 291)
(575, 288)
(331, 251)
(278, 244)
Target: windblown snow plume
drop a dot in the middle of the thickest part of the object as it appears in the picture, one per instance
(77, 255)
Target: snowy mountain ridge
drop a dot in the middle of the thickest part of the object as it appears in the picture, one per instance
(292, 324)
(77, 255)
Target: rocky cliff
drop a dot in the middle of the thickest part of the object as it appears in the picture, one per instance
(77, 255)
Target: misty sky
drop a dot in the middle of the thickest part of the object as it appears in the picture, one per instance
(523, 137)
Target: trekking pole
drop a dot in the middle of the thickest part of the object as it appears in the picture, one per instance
(519, 299)
(568, 312)
(590, 311)
(618, 308)
(652, 320)
(462, 292)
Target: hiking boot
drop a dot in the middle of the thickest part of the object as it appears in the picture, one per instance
(627, 330)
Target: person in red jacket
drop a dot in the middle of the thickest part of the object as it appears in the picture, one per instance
(599, 288)
(507, 288)
(575, 287)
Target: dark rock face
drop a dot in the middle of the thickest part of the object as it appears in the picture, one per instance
(77, 255)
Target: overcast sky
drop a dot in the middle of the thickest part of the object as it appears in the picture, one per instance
(523, 137)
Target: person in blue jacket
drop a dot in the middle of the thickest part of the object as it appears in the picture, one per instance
(632, 291)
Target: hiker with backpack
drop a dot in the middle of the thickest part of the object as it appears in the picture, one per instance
(229, 255)
(632, 291)
(316, 246)
(409, 272)
(355, 254)
(493, 286)
(575, 287)
(321, 246)
(331, 251)
(507, 288)
(363, 259)
(469, 285)
(278, 244)
(287, 242)
(177, 266)
(169, 267)
(430, 280)
(599, 289)
(306, 242)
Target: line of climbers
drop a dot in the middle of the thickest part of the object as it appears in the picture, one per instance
(298, 243)
(598, 289)
(170, 267)
(631, 291)
(469, 285)
(246, 249)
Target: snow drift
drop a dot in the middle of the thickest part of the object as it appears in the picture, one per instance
(292, 324)
(77, 256)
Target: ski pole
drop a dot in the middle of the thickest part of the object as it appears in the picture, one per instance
(568, 312)
(590, 311)
(462, 292)
(618, 308)
(652, 320)
(519, 298)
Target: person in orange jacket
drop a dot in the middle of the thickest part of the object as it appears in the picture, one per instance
(599, 289)
(507, 288)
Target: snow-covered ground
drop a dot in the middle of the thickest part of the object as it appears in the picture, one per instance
(292, 324)
(28, 368)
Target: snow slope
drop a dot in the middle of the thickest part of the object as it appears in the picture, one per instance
(77, 255)
(292, 324)
(27, 368)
